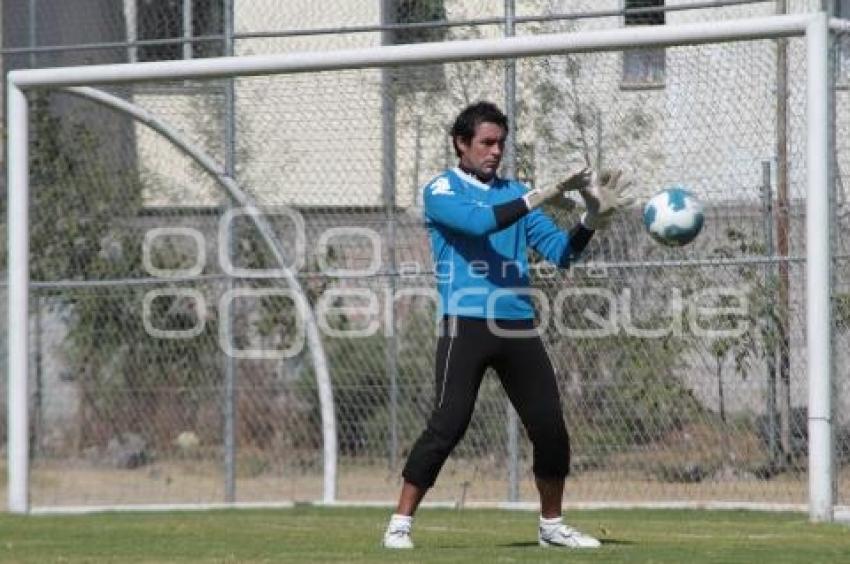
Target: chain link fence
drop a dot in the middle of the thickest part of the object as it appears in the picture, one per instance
(682, 371)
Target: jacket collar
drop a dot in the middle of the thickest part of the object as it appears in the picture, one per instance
(469, 179)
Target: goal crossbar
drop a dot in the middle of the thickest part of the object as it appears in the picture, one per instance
(446, 52)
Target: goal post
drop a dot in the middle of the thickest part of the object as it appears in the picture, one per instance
(815, 29)
(818, 270)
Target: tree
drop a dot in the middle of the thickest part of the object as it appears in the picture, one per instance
(85, 228)
(761, 336)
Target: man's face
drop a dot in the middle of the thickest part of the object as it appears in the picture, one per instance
(483, 153)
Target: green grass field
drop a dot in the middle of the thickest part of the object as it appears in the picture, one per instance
(312, 534)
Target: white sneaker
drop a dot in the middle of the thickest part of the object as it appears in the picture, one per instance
(564, 535)
(398, 532)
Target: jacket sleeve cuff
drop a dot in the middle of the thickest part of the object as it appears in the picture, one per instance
(509, 212)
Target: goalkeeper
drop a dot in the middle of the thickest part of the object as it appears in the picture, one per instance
(481, 226)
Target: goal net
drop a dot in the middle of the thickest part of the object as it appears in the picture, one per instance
(231, 286)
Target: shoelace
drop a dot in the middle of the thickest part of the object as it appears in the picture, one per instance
(565, 530)
(569, 531)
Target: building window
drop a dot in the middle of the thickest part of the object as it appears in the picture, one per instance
(418, 11)
(419, 78)
(643, 67)
(176, 19)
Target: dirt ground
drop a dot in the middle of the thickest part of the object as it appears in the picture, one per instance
(180, 482)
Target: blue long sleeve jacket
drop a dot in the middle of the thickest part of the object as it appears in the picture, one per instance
(482, 269)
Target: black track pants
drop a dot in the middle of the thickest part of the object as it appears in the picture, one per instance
(465, 349)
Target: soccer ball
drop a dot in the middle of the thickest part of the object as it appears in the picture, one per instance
(673, 216)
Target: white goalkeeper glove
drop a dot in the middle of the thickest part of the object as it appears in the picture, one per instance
(606, 194)
(577, 179)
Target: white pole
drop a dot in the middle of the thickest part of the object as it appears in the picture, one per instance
(187, 29)
(818, 291)
(18, 328)
(509, 168)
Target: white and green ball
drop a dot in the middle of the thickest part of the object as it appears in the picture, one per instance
(673, 216)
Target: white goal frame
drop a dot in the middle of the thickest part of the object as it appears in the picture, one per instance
(815, 28)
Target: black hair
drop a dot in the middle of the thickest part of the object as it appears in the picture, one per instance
(471, 117)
